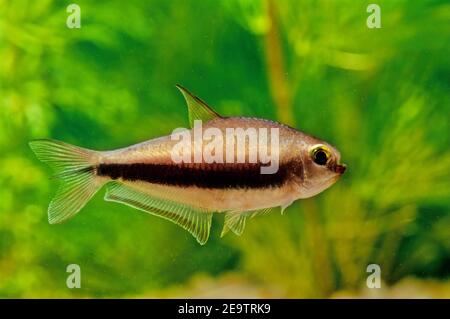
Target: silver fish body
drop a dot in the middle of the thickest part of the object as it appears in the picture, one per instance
(146, 177)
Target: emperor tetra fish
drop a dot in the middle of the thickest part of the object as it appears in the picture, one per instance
(187, 188)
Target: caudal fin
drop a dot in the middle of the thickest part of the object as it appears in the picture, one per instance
(75, 168)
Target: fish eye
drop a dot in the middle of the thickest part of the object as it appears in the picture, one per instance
(320, 155)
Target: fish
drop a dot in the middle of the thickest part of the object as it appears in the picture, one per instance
(149, 176)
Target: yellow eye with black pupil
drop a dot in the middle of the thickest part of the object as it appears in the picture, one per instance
(320, 156)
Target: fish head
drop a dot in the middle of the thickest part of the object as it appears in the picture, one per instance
(321, 166)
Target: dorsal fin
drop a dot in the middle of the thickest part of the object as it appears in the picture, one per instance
(198, 109)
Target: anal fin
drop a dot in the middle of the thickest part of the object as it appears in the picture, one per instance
(195, 221)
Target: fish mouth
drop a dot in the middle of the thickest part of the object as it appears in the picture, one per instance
(340, 168)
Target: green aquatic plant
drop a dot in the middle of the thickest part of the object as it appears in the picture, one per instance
(381, 121)
(380, 95)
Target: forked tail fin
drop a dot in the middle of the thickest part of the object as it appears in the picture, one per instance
(75, 168)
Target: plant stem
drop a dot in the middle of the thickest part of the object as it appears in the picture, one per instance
(278, 82)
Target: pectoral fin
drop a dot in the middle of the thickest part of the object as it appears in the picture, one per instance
(195, 221)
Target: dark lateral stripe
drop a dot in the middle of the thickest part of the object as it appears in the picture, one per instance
(206, 176)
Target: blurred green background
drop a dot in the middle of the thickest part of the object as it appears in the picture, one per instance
(380, 95)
